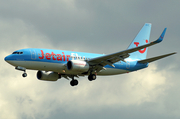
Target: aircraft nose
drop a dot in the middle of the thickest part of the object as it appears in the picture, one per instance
(8, 58)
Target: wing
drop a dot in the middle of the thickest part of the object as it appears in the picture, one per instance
(99, 62)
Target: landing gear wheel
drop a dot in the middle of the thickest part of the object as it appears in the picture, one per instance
(92, 77)
(74, 82)
(89, 78)
(24, 74)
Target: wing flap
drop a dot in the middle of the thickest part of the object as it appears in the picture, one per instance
(155, 58)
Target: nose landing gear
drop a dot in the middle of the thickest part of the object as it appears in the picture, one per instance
(24, 74)
(22, 69)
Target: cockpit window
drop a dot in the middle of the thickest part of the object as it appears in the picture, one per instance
(17, 53)
(14, 53)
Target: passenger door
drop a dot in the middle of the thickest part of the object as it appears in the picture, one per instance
(33, 54)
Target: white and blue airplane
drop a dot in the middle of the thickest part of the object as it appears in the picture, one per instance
(54, 64)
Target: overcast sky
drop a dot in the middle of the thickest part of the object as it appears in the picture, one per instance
(98, 26)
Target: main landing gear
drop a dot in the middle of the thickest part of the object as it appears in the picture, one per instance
(22, 69)
(92, 77)
(74, 82)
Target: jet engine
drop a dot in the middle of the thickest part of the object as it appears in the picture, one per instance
(47, 76)
(77, 66)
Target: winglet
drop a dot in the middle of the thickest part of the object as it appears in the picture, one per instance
(161, 37)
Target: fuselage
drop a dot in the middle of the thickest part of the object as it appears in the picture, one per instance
(54, 64)
(56, 60)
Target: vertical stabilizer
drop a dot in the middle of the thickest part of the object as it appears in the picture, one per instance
(142, 38)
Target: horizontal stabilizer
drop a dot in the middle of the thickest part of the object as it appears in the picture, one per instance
(155, 58)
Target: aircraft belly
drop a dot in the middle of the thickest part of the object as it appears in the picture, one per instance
(112, 71)
(34, 65)
(60, 68)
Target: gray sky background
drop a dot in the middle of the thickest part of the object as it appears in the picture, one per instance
(98, 26)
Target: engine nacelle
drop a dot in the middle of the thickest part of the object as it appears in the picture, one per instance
(77, 66)
(47, 76)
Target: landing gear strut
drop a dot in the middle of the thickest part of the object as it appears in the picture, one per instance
(22, 69)
(73, 82)
(92, 77)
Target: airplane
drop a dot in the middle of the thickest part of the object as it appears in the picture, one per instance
(55, 64)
